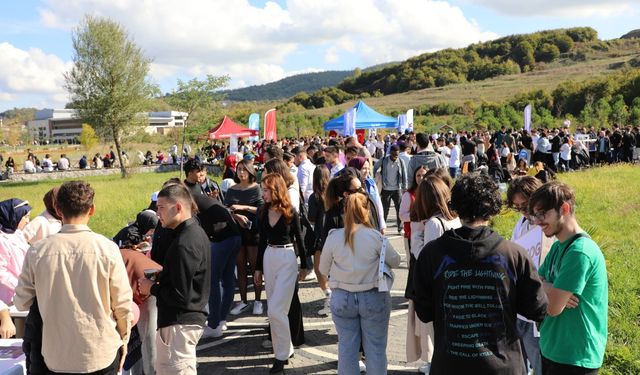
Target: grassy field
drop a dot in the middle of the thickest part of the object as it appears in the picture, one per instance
(608, 206)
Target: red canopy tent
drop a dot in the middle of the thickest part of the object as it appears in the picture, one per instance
(227, 128)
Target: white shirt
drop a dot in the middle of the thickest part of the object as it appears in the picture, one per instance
(40, 227)
(565, 151)
(63, 164)
(305, 178)
(335, 169)
(454, 159)
(423, 232)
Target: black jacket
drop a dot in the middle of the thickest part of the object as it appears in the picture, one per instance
(471, 283)
(183, 288)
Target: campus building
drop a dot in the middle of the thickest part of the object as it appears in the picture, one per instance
(63, 125)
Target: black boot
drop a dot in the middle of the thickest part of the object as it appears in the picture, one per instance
(278, 366)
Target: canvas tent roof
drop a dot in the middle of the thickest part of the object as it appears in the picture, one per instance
(366, 118)
(227, 128)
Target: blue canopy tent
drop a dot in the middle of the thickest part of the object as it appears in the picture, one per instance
(366, 118)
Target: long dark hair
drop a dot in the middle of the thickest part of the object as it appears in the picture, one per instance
(321, 177)
(414, 184)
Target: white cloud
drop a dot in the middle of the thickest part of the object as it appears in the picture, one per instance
(252, 44)
(24, 73)
(568, 8)
(331, 55)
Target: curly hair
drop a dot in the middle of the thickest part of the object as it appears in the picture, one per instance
(74, 199)
(475, 197)
(279, 196)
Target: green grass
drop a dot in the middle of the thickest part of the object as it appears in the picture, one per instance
(117, 200)
(608, 206)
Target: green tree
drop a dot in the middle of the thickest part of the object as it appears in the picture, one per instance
(200, 100)
(88, 137)
(547, 52)
(107, 82)
(619, 111)
(523, 55)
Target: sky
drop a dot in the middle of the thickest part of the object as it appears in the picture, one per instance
(258, 41)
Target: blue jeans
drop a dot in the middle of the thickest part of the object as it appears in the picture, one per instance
(453, 172)
(361, 317)
(531, 346)
(223, 263)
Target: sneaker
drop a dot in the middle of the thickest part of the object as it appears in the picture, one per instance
(223, 325)
(210, 332)
(424, 369)
(310, 276)
(267, 344)
(363, 367)
(239, 308)
(257, 308)
(325, 310)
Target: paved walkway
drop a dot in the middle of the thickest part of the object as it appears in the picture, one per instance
(240, 351)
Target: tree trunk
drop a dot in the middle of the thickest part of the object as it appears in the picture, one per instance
(116, 139)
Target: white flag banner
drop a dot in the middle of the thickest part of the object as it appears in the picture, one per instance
(233, 144)
(402, 123)
(350, 122)
(410, 120)
(527, 118)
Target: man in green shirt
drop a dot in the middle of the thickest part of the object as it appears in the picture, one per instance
(573, 336)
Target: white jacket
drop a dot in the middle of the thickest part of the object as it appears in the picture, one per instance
(355, 270)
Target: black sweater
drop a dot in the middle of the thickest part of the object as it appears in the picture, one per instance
(185, 280)
(280, 234)
(471, 283)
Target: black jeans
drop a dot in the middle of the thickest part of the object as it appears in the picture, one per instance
(550, 367)
(386, 196)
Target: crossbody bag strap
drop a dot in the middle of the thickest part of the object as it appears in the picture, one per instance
(383, 252)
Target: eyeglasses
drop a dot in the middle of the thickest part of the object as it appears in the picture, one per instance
(356, 190)
(522, 209)
(539, 216)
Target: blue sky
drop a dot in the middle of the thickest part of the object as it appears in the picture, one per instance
(259, 41)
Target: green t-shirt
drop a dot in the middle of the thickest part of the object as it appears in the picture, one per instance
(577, 336)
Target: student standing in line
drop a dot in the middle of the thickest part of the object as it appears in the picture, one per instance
(350, 258)
(279, 226)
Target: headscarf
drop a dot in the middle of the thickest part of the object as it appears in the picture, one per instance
(134, 233)
(11, 212)
(49, 202)
(230, 162)
(357, 162)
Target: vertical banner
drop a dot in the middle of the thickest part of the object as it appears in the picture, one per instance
(254, 124)
(233, 144)
(402, 123)
(527, 118)
(270, 125)
(350, 122)
(410, 120)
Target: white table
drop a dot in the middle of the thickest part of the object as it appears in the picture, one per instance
(10, 365)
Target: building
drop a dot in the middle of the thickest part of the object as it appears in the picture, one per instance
(63, 125)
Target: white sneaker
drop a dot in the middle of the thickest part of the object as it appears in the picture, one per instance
(267, 344)
(239, 308)
(363, 367)
(325, 310)
(424, 369)
(310, 276)
(210, 332)
(223, 325)
(257, 308)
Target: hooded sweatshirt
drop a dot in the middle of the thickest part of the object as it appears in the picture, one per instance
(430, 159)
(471, 283)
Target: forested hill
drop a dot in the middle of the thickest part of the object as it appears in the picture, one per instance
(287, 87)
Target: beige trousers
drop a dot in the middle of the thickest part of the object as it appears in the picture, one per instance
(176, 349)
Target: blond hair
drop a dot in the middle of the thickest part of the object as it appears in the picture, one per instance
(356, 212)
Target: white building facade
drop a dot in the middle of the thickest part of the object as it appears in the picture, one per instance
(63, 125)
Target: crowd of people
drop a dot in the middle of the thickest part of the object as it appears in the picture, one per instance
(308, 209)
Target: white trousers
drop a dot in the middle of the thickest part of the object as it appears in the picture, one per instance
(280, 273)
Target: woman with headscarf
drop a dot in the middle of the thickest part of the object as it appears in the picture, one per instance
(135, 233)
(229, 167)
(14, 215)
(45, 224)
